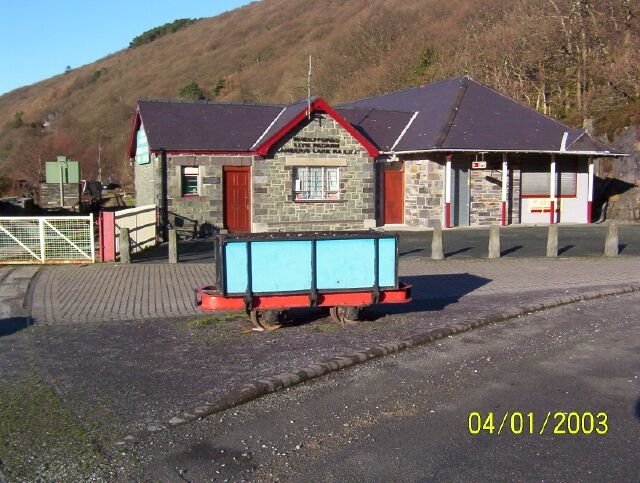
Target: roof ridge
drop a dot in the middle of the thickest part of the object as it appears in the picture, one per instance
(407, 89)
(373, 109)
(208, 102)
(454, 112)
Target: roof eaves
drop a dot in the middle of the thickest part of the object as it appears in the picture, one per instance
(527, 151)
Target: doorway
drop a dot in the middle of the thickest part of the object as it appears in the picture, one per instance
(236, 199)
(394, 193)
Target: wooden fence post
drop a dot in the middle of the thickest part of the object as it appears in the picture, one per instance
(173, 246)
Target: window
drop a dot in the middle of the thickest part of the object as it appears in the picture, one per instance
(189, 180)
(316, 183)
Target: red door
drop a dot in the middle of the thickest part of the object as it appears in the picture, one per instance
(236, 198)
(394, 194)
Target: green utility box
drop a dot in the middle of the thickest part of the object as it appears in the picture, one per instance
(69, 170)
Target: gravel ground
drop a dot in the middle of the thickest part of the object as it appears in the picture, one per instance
(69, 391)
(125, 376)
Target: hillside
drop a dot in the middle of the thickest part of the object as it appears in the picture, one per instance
(575, 60)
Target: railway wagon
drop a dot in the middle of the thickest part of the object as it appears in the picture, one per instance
(269, 273)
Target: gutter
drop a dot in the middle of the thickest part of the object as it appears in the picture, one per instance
(525, 151)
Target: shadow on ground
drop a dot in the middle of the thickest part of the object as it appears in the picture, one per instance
(12, 325)
(431, 293)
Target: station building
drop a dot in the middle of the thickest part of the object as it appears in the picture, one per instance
(455, 153)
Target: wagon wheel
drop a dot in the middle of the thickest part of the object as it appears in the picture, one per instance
(344, 315)
(264, 320)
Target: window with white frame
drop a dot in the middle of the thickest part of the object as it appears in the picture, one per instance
(316, 183)
(189, 180)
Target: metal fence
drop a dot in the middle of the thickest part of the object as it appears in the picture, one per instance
(39, 239)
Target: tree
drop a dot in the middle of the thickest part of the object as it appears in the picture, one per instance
(217, 89)
(191, 91)
(17, 120)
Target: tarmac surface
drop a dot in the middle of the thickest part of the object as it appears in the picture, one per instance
(463, 243)
(406, 417)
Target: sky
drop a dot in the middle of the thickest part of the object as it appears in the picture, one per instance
(40, 38)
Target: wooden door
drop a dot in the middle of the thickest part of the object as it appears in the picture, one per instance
(394, 194)
(236, 187)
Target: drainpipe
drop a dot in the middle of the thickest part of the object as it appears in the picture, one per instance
(590, 192)
(447, 191)
(505, 179)
(552, 191)
(164, 201)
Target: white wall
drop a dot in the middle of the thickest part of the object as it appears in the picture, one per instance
(572, 210)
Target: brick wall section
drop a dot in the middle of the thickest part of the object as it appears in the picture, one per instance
(424, 191)
(273, 208)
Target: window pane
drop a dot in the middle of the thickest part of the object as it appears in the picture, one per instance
(332, 179)
(189, 181)
(316, 183)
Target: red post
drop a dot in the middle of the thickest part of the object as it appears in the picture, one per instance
(107, 231)
(589, 208)
(447, 215)
(504, 213)
(552, 212)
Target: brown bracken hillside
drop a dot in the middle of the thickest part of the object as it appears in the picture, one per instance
(573, 59)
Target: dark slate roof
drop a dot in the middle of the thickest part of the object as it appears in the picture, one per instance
(285, 116)
(382, 128)
(462, 114)
(205, 126)
(456, 114)
(433, 102)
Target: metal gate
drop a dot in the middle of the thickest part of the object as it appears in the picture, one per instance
(39, 239)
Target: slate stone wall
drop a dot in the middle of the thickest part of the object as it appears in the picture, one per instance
(424, 192)
(486, 195)
(207, 208)
(514, 192)
(274, 207)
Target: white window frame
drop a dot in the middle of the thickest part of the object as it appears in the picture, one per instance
(195, 173)
(325, 194)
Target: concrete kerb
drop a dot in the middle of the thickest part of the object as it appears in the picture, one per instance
(268, 385)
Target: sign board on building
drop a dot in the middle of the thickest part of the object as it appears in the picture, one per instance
(478, 165)
(142, 147)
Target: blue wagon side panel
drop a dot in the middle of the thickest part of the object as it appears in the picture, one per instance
(235, 257)
(387, 262)
(281, 266)
(286, 264)
(345, 264)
